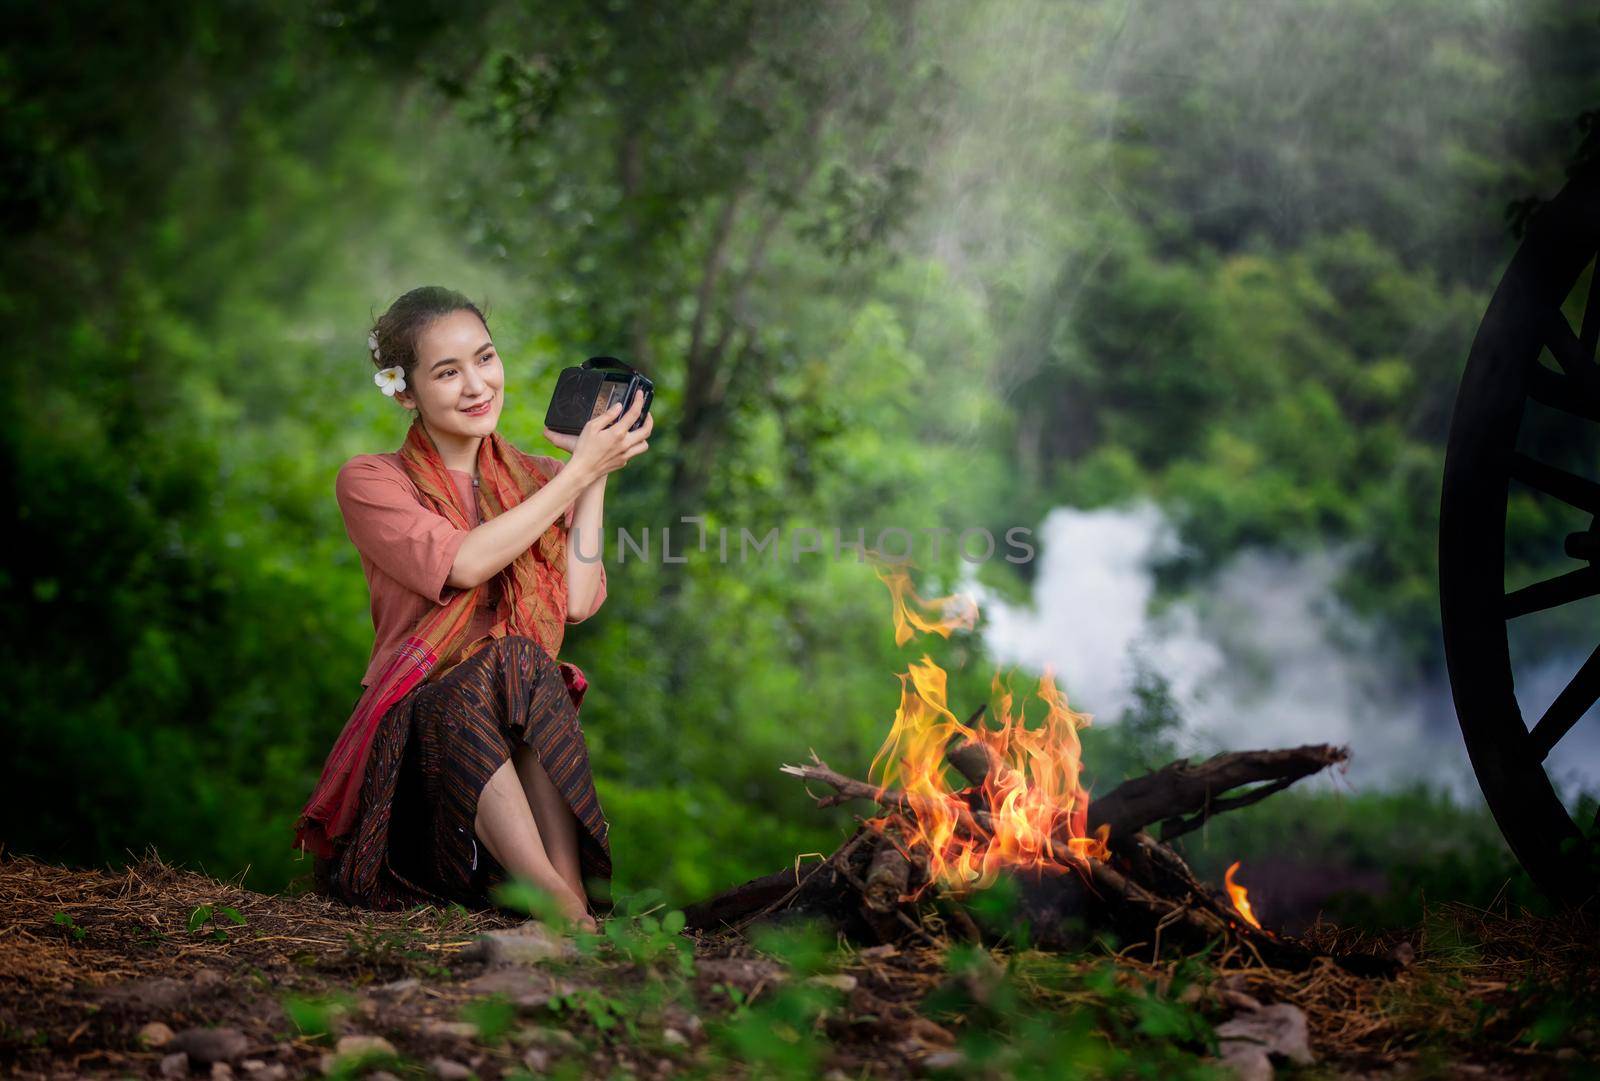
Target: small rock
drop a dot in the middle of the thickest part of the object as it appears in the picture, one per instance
(400, 988)
(673, 1038)
(1238, 1001)
(536, 1059)
(1279, 1030)
(839, 981)
(524, 945)
(942, 1060)
(1247, 1060)
(447, 1070)
(382, 1075)
(362, 1046)
(155, 1034)
(208, 1045)
(175, 1065)
(265, 1071)
(544, 1034)
(451, 1030)
(221, 1071)
(202, 978)
(527, 988)
(1404, 954)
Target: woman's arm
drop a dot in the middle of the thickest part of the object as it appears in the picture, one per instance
(604, 446)
(490, 547)
(588, 536)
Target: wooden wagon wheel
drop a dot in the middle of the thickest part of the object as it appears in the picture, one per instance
(1482, 458)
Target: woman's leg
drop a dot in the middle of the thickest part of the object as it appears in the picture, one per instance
(506, 826)
(558, 826)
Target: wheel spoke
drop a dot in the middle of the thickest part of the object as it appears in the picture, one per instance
(1553, 592)
(1591, 312)
(1576, 360)
(1559, 392)
(1568, 487)
(1573, 702)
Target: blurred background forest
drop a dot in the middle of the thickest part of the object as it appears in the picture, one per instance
(1185, 289)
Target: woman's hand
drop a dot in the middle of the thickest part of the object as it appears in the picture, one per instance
(606, 445)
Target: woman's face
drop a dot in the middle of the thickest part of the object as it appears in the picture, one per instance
(458, 368)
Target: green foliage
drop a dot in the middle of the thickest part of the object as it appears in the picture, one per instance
(777, 1033)
(215, 917)
(520, 895)
(603, 1011)
(640, 932)
(355, 1064)
(313, 1017)
(65, 920)
(1052, 1015)
(492, 1014)
(399, 947)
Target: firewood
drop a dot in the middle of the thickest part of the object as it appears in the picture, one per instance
(887, 877)
(734, 905)
(848, 788)
(1182, 796)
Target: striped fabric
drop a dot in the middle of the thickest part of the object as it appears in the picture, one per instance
(433, 753)
(532, 603)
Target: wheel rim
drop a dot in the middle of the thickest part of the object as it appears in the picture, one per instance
(1481, 459)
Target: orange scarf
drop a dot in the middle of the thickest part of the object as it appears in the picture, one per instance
(532, 602)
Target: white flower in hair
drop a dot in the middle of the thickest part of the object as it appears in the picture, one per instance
(372, 346)
(390, 379)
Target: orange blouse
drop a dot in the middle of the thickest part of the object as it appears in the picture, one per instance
(407, 550)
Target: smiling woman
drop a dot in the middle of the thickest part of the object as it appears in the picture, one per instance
(467, 728)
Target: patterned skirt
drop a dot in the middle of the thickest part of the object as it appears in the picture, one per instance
(413, 841)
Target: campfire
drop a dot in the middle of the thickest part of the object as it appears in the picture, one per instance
(1017, 809)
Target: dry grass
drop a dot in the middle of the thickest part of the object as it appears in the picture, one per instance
(88, 956)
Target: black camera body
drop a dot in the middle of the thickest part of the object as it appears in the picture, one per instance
(591, 388)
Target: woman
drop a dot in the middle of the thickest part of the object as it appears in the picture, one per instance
(463, 763)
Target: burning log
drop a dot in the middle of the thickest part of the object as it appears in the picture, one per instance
(1144, 889)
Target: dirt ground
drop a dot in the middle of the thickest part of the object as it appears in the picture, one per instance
(120, 974)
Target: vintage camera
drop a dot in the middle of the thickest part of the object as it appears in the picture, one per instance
(590, 389)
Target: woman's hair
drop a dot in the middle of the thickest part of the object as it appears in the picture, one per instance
(397, 329)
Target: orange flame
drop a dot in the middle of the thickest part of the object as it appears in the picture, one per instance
(1032, 808)
(1238, 894)
(959, 612)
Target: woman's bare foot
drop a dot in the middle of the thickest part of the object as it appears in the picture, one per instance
(576, 911)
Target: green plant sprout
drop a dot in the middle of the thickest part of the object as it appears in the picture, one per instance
(313, 1016)
(206, 914)
(65, 920)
